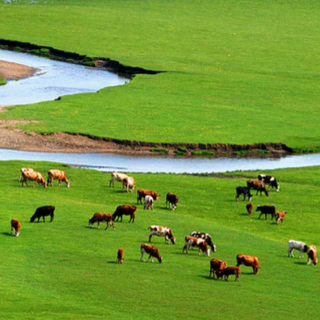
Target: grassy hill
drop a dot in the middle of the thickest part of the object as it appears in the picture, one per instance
(237, 71)
(67, 270)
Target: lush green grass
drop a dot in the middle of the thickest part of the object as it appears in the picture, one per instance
(66, 270)
(238, 71)
(2, 81)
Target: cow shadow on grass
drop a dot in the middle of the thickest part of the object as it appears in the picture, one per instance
(7, 234)
(300, 262)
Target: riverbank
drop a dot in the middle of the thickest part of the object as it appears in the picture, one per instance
(15, 71)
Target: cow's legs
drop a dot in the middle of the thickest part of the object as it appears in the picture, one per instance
(150, 237)
(142, 255)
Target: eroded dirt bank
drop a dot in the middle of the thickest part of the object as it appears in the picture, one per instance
(13, 138)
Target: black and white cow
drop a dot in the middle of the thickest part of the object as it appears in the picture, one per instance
(245, 191)
(271, 181)
(205, 236)
(298, 245)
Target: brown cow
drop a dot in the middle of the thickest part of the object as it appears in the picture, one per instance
(229, 270)
(312, 255)
(280, 216)
(143, 192)
(58, 175)
(216, 266)
(196, 242)
(15, 227)
(249, 261)
(29, 174)
(125, 209)
(249, 208)
(120, 256)
(152, 251)
(100, 217)
(172, 200)
(257, 185)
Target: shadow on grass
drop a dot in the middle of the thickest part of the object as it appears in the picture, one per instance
(7, 234)
(300, 262)
(244, 214)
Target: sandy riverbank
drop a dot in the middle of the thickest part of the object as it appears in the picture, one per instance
(15, 71)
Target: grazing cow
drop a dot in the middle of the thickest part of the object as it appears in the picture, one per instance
(100, 217)
(271, 181)
(125, 209)
(230, 270)
(15, 227)
(42, 212)
(161, 231)
(128, 183)
(258, 185)
(249, 261)
(196, 242)
(297, 245)
(58, 175)
(152, 251)
(120, 256)
(245, 191)
(116, 176)
(172, 200)
(267, 210)
(280, 216)
(148, 202)
(216, 267)
(143, 192)
(249, 208)
(312, 255)
(29, 174)
(206, 237)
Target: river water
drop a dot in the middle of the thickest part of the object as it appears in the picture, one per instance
(110, 162)
(54, 79)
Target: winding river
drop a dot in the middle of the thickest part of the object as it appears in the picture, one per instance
(55, 79)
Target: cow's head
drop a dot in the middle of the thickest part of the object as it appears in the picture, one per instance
(173, 240)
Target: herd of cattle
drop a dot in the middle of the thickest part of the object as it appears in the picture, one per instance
(200, 240)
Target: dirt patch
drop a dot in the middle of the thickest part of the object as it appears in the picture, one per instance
(15, 71)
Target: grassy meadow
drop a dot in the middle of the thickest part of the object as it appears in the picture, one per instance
(236, 71)
(2, 81)
(67, 270)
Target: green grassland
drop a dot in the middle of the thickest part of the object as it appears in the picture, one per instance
(67, 270)
(2, 81)
(237, 71)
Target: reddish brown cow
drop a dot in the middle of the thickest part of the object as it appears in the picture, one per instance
(249, 208)
(125, 209)
(143, 192)
(230, 270)
(216, 266)
(249, 261)
(312, 255)
(152, 251)
(120, 256)
(29, 174)
(15, 227)
(280, 216)
(100, 217)
(58, 175)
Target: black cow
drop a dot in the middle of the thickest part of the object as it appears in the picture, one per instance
(267, 210)
(271, 181)
(42, 212)
(245, 191)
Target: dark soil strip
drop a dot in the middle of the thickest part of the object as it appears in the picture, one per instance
(71, 57)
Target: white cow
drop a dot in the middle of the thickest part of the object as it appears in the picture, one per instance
(128, 184)
(116, 176)
(148, 202)
(298, 245)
